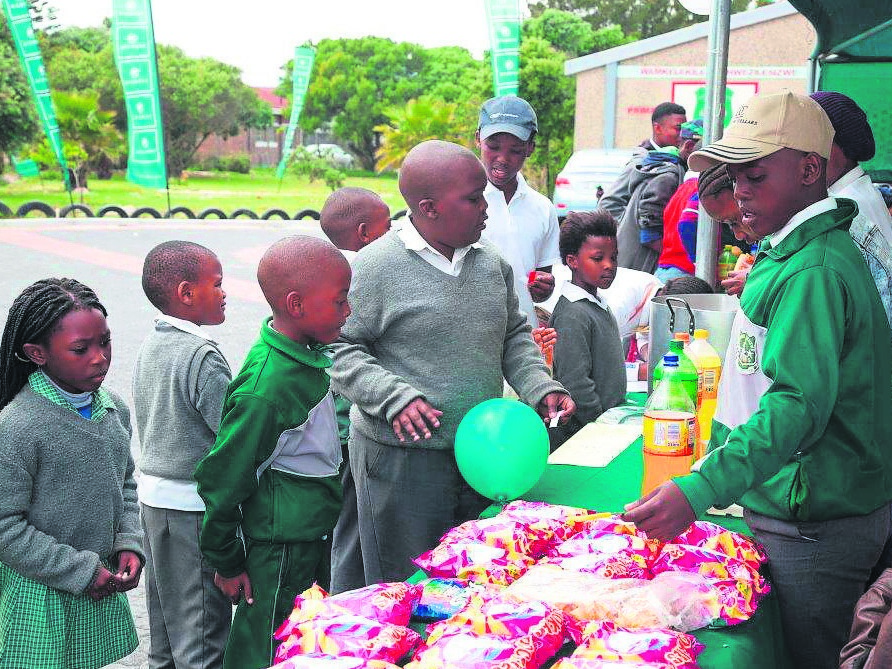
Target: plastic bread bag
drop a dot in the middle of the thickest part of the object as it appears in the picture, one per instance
(349, 635)
(681, 601)
(584, 596)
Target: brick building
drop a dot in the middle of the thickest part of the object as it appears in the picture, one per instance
(617, 89)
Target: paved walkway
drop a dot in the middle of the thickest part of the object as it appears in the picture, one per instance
(107, 255)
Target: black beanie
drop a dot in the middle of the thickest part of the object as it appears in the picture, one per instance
(852, 131)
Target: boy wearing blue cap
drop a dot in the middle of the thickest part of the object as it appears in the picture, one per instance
(522, 222)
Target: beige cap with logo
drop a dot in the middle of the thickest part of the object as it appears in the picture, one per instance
(766, 124)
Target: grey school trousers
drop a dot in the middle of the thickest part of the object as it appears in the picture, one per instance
(406, 499)
(347, 571)
(189, 617)
(819, 570)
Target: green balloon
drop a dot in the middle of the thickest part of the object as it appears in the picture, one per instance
(501, 448)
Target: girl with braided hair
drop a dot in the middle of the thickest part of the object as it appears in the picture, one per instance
(70, 542)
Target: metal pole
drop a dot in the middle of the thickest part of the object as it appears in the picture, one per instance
(716, 80)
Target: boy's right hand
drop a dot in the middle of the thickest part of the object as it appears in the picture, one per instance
(235, 586)
(414, 419)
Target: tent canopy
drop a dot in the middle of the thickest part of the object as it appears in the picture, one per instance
(854, 54)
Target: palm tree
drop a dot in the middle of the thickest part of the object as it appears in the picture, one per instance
(422, 119)
(89, 136)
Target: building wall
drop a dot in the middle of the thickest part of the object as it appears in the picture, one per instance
(779, 47)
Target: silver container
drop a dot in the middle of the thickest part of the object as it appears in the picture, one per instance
(685, 313)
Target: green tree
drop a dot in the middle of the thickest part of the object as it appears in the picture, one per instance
(639, 18)
(18, 118)
(355, 82)
(89, 136)
(548, 40)
(422, 119)
(553, 95)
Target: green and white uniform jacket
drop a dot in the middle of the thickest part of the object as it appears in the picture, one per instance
(803, 427)
(272, 474)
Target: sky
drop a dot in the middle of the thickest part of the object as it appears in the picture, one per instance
(259, 37)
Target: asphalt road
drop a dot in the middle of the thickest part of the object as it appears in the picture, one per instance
(107, 256)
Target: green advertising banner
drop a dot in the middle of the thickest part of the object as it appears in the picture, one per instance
(503, 20)
(303, 67)
(133, 40)
(19, 18)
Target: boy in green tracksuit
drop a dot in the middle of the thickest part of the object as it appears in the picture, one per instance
(270, 483)
(801, 432)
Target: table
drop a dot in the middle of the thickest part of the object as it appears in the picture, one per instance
(755, 643)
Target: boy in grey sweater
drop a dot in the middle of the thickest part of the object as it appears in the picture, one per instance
(435, 326)
(179, 382)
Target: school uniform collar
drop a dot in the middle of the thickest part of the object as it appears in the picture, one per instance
(413, 240)
(821, 217)
(102, 401)
(576, 293)
(184, 326)
(523, 189)
(312, 356)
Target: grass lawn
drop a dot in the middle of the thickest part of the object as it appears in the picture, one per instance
(258, 191)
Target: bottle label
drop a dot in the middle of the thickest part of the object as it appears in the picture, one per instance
(710, 383)
(669, 433)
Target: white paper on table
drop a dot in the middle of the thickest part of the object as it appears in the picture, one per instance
(595, 445)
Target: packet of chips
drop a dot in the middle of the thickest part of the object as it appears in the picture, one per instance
(441, 598)
(473, 561)
(604, 554)
(383, 602)
(563, 521)
(515, 536)
(715, 537)
(349, 635)
(461, 651)
(608, 641)
(328, 662)
(516, 633)
(589, 663)
(710, 564)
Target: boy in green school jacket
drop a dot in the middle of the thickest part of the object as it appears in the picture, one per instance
(270, 483)
(801, 432)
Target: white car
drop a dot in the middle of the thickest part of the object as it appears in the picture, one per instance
(576, 186)
(336, 155)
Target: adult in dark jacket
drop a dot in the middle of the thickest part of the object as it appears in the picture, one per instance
(652, 182)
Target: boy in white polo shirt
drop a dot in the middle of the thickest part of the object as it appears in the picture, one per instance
(522, 223)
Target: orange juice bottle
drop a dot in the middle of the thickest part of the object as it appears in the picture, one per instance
(669, 429)
(709, 363)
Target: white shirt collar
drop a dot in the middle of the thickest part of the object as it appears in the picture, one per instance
(184, 325)
(799, 218)
(576, 293)
(522, 188)
(846, 179)
(415, 242)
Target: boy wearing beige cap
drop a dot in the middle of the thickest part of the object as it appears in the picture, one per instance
(800, 436)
